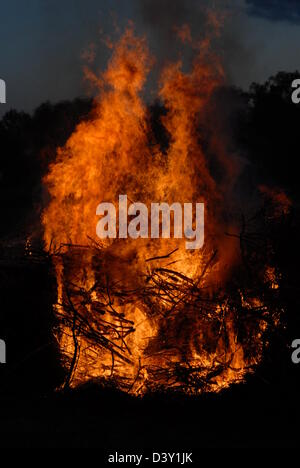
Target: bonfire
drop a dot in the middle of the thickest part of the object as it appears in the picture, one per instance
(149, 314)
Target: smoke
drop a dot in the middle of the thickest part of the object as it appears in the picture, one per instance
(223, 22)
(45, 54)
(162, 20)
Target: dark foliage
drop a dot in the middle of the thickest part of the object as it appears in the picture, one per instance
(28, 145)
(268, 132)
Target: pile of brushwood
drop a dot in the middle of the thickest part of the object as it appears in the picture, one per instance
(200, 331)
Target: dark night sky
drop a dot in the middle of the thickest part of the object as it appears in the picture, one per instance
(275, 10)
(41, 40)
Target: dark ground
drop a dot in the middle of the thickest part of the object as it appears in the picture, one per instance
(263, 412)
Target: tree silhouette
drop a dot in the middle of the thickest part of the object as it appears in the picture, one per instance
(268, 131)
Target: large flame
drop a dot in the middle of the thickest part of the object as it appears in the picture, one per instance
(141, 312)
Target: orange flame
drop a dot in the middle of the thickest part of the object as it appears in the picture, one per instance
(141, 338)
